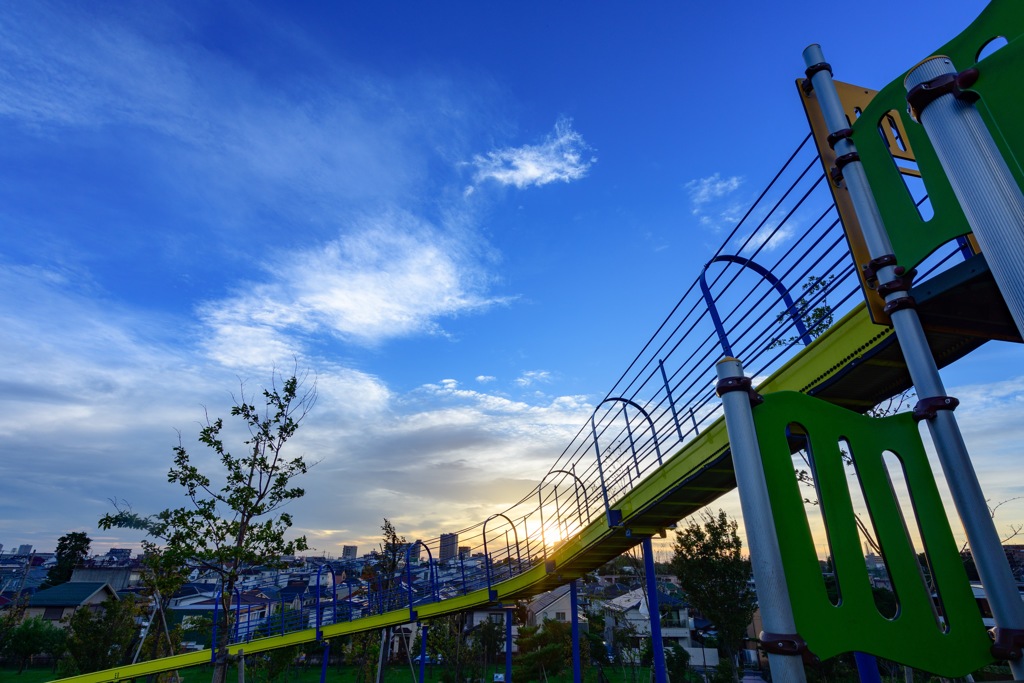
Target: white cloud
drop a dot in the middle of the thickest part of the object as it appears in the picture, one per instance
(394, 276)
(766, 239)
(704, 190)
(707, 201)
(563, 156)
(484, 379)
(531, 376)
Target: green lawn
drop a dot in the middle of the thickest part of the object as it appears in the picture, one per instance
(335, 674)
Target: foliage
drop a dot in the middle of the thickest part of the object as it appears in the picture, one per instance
(546, 651)
(714, 575)
(392, 556)
(101, 639)
(163, 576)
(812, 308)
(677, 661)
(33, 636)
(72, 550)
(240, 523)
(446, 643)
(361, 651)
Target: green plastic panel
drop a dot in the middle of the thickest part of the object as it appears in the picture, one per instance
(916, 636)
(1002, 99)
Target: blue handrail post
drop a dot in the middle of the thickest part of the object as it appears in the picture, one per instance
(431, 574)
(716, 320)
(616, 518)
(319, 593)
(492, 594)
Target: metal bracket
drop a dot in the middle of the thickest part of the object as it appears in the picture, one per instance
(728, 384)
(1008, 642)
(783, 643)
(923, 94)
(926, 408)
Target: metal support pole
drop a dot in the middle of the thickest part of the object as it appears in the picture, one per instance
(1000, 587)
(423, 652)
(982, 182)
(508, 646)
(654, 613)
(325, 658)
(765, 556)
(577, 669)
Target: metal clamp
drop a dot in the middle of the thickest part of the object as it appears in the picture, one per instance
(899, 304)
(874, 265)
(783, 644)
(841, 162)
(902, 283)
(842, 134)
(728, 384)
(807, 86)
(1008, 642)
(927, 408)
(923, 94)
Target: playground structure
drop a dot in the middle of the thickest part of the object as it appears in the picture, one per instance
(914, 199)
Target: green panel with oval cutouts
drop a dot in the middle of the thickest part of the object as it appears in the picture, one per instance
(954, 643)
(1002, 100)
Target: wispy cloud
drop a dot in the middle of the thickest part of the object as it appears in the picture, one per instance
(484, 379)
(531, 377)
(563, 156)
(710, 203)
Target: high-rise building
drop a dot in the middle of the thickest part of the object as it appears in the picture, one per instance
(464, 551)
(348, 552)
(449, 546)
(25, 549)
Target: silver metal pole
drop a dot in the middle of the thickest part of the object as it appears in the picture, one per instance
(990, 197)
(968, 497)
(765, 556)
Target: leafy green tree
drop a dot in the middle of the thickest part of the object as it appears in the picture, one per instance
(239, 523)
(714, 575)
(102, 639)
(33, 636)
(72, 550)
(545, 651)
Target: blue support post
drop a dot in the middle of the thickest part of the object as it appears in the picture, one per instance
(323, 662)
(423, 652)
(657, 648)
(508, 646)
(577, 668)
(867, 667)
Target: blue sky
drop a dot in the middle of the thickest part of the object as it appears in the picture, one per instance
(465, 218)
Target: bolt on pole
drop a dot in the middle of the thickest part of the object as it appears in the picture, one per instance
(1000, 587)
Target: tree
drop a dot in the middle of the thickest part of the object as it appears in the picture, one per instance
(392, 556)
(715, 576)
(72, 549)
(239, 523)
(102, 639)
(33, 636)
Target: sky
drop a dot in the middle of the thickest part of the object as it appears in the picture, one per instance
(463, 219)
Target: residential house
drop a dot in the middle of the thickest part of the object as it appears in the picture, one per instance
(60, 602)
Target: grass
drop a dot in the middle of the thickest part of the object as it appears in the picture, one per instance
(335, 674)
